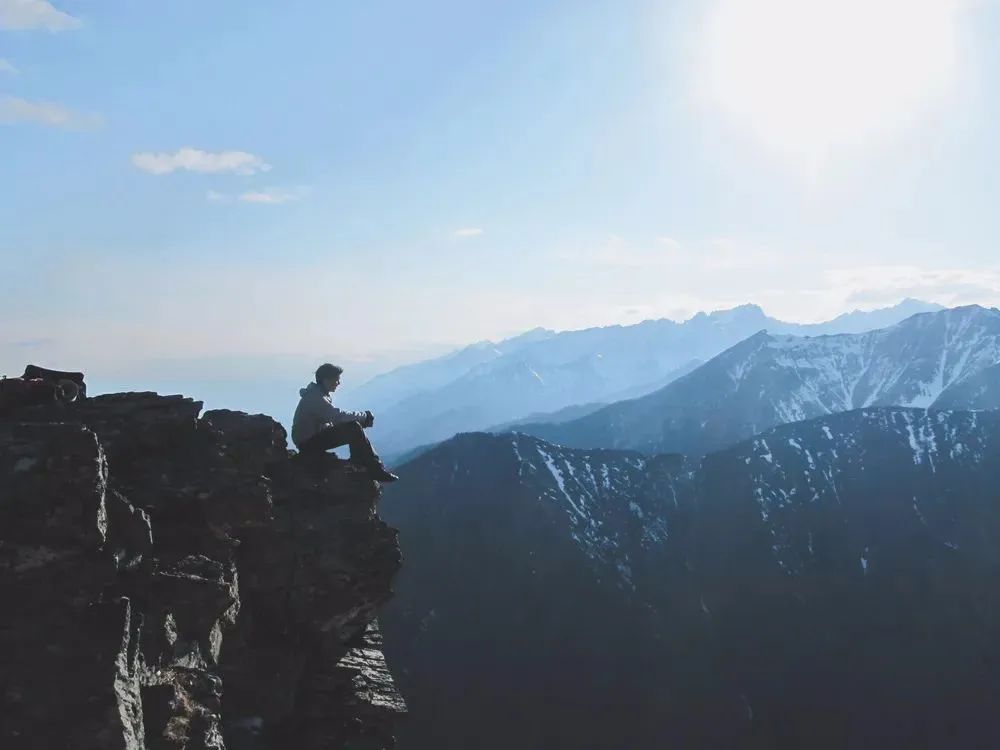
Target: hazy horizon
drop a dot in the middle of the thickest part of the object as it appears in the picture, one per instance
(212, 366)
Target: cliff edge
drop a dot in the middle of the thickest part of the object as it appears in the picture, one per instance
(172, 579)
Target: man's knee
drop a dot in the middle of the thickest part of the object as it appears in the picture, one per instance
(355, 427)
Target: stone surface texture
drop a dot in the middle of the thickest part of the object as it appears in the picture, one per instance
(171, 579)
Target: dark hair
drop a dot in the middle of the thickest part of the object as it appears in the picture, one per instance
(327, 371)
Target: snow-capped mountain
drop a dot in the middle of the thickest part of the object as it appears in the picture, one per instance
(827, 584)
(541, 371)
(860, 321)
(947, 359)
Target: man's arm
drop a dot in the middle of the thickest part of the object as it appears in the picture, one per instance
(337, 416)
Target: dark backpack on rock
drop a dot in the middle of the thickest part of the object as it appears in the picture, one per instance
(39, 386)
(34, 372)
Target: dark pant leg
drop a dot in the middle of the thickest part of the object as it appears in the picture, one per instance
(346, 433)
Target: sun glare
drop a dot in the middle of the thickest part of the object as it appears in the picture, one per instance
(809, 76)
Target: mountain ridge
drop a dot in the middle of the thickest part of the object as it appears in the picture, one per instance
(544, 371)
(949, 359)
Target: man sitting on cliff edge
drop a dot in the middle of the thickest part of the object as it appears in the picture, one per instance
(318, 425)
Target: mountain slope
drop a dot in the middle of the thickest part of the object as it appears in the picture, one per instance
(542, 371)
(827, 584)
(520, 613)
(947, 359)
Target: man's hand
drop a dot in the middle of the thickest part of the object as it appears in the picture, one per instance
(369, 419)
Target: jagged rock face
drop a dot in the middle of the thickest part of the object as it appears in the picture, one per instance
(827, 584)
(58, 626)
(171, 581)
(947, 360)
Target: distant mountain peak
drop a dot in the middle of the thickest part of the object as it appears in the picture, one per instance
(535, 334)
(749, 309)
(914, 302)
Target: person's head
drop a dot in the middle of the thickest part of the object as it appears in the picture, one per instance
(328, 377)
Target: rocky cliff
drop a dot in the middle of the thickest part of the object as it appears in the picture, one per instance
(170, 580)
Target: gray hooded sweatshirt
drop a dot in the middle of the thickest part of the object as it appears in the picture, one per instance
(316, 411)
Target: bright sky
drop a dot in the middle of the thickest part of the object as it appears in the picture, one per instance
(368, 180)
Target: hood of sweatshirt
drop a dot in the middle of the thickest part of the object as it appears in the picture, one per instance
(312, 388)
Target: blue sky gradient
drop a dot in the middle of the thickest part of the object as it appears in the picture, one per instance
(444, 172)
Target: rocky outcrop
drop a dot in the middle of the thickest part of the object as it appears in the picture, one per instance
(170, 580)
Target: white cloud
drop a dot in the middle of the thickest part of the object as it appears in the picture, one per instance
(7, 67)
(34, 14)
(467, 232)
(271, 195)
(196, 160)
(879, 285)
(15, 110)
(806, 283)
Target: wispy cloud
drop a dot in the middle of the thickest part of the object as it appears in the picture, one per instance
(879, 285)
(467, 232)
(15, 110)
(6, 67)
(272, 195)
(196, 160)
(34, 14)
(268, 196)
(31, 343)
(616, 251)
